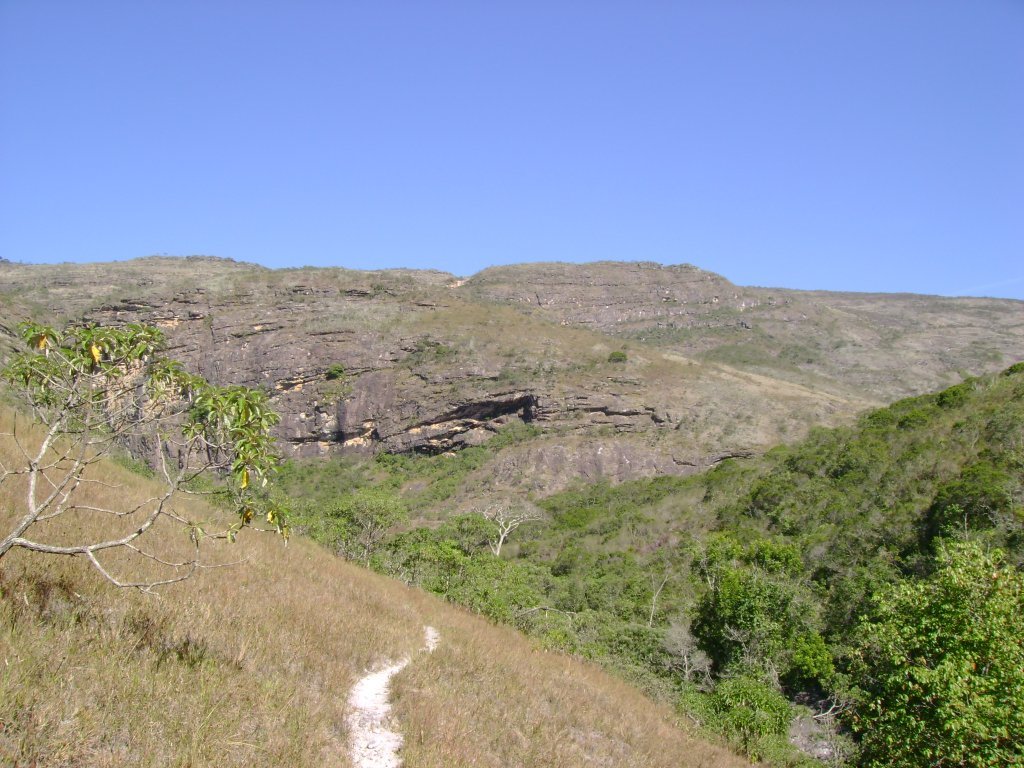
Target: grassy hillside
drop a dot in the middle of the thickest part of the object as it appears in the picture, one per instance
(252, 664)
(731, 594)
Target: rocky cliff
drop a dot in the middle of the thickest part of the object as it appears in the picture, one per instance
(626, 370)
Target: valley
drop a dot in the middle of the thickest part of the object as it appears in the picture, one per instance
(710, 490)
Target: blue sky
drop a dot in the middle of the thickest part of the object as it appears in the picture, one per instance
(853, 144)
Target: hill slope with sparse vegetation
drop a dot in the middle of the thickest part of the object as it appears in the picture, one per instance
(252, 664)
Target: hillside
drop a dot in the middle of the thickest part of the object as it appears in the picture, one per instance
(885, 345)
(251, 665)
(624, 370)
(761, 570)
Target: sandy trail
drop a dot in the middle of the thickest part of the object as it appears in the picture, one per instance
(371, 743)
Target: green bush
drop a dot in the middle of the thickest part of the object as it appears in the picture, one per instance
(749, 711)
(812, 663)
(771, 492)
(978, 499)
(428, 351)
(776, 556)
(513, 433)
(618, 356)
(880, 419)
(955, 396)
(915, 419)
(748, 620)
(360, 520)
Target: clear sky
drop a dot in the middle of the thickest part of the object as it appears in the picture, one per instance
(840, 144)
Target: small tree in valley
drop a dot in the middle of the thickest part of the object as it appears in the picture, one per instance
(505, 516)
(362, 520)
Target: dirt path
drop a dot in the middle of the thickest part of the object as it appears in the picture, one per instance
(371, 743)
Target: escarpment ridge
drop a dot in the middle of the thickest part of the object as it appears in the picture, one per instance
(622, 370)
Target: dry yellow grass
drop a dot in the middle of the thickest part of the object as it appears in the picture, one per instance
(251, 665)
(489, 697)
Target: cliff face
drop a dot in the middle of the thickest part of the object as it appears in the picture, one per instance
(406, 360)
(348, 375)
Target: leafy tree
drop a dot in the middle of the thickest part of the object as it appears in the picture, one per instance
(955, 396)
(940, 667)
(756, 617)
(745, 619)
(422, 557)
(363, 518)
(97, 390)
(502, 590)
(980, 498)
(471, 533)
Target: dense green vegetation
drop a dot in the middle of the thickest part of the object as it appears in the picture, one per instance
(868, 575)
(940, 665)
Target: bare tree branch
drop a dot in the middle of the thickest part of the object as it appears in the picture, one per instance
(507, 515)
(98, 390)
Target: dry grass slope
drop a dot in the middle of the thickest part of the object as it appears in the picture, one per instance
(251, 665)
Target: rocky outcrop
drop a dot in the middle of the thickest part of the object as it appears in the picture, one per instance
(337, 388)
(622, 412)
(343, 386)
(469, 423)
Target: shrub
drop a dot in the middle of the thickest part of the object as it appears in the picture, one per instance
(92, 389)
(955, 396)
(748, 710)
(914, 419)
(980, 498)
